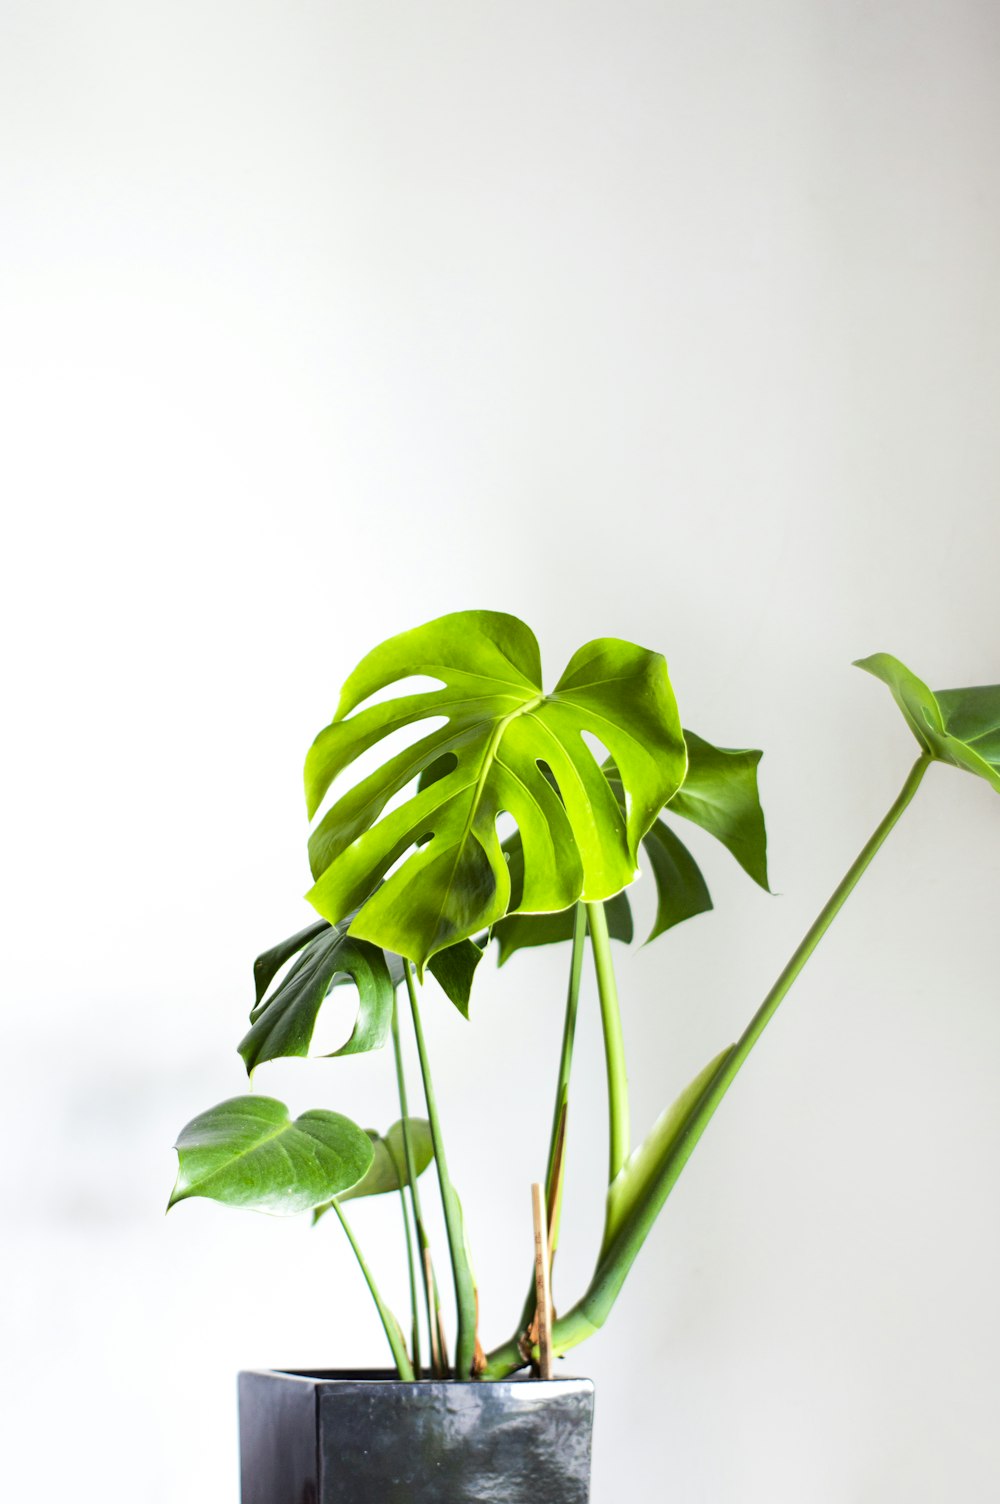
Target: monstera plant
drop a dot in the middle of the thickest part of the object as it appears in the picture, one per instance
(520, 816)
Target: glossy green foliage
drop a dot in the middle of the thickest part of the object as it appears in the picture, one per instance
(510, 748)
(956, 726)
(453, 969)
(720, 794)
(248, 1152)
(388, 1168)
(282, 1023)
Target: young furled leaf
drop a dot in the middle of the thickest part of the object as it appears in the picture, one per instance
(247, 1152)
(516, 749)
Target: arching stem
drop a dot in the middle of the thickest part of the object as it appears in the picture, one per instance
(590, 1313)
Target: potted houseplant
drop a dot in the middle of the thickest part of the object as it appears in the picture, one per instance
(413, 878)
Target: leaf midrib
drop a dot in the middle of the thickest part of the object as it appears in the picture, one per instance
(287, 1127)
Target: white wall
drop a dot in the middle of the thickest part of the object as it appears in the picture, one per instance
(671, 321)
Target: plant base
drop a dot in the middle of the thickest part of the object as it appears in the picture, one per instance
(367, 1438)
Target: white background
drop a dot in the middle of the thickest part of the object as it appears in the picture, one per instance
(670, 321)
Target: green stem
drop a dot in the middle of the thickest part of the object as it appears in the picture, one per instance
(614, 1043)
(557, 1137)
(412, 1275)
(591, 1312)
(410, 1188)
(465, 1289)
(389, 1322)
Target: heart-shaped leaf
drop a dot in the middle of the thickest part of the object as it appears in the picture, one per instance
(283, 1023)
(514, 749)
(388, 1169)
(248, 1152)
(956, 726)
(720, 794)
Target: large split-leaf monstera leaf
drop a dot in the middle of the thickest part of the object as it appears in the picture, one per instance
(515, 749)
(720, 794)
(956, 726)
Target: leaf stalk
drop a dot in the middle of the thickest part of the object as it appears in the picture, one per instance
(390, 1324)
(614, 1042)
(465, 1290)
(590, 1313)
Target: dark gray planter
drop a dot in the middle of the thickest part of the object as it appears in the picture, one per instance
(367, 1438)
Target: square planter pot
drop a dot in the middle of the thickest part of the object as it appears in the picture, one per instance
(368, 1438)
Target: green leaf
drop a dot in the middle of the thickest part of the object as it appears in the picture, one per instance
(267, 965)
(510, 742)
(454, 969)
(518, 931)
(956, 726)
(283, 1023)
(681, 891)
(388, 1169)
(633, 1182)
(720, 794)
(248, 1152)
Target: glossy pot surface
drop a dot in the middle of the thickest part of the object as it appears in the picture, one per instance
(368, 1438)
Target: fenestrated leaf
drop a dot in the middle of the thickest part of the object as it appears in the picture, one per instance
(388, 1168)
(508, 739)
(283, 1023)
(720, 794)
(956, 726)
(248, 1152)
(270, 962)
(634, 1180)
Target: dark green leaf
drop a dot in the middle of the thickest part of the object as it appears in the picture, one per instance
(507, 738)
(454, 969)
(720, 794)
(283, 1024)
(247, 1152)
(518, 931)
(681, 892)
(267, 965)
(956, 726)
(388, 1168)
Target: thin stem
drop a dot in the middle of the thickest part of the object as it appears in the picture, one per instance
(614, 1043)
(591, 1312)
(411, 1187)
(389, 1322)
(557, 1137)
(465, 1289)
(412, 1275)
